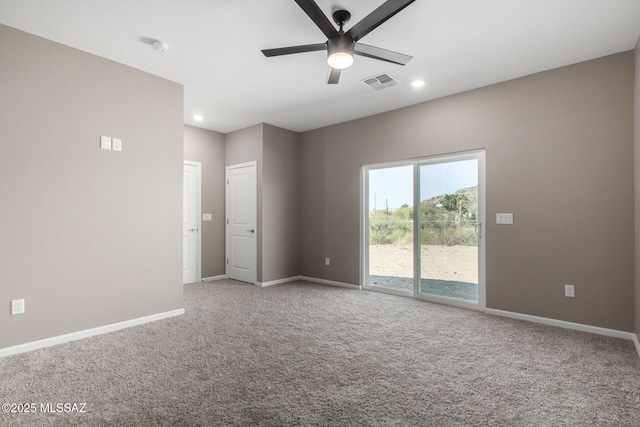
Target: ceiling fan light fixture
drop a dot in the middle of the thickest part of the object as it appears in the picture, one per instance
(340, 52)
(340, 59)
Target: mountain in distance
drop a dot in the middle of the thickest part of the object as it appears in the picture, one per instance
(471, 193)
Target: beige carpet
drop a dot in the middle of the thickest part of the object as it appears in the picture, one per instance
(306, 354)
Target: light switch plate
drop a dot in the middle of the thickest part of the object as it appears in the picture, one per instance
(105, 142)
(504, 218)
(569, 291)
(116, 144)
(207, 217)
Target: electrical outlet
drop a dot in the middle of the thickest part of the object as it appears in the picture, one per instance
(17, 306)
(327, 261)
(569, 291)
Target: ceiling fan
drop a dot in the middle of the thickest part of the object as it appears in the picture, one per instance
(341, 46)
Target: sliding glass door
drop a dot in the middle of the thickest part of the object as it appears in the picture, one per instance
(449, 229)
(423, 228)
(390, 217)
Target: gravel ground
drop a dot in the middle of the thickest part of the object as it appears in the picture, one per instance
(447, 271)
(453, 263)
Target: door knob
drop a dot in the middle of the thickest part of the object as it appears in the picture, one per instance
(193, 229)
(251, 231)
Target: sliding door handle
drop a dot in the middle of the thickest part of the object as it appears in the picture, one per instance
(478, 229)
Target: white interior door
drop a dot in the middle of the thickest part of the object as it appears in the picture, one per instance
(191, 222)
(241, 233)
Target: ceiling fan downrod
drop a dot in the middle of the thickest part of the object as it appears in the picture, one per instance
(341, 17)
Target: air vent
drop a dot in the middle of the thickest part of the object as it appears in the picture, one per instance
(380, 81)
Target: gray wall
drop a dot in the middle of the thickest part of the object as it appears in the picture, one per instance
(276, 152)
(243, 146)
(637, 185)
(207, 147)
(89, 237)
(559, 150)
(279, 204)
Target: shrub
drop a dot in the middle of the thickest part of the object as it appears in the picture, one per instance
(446, 220)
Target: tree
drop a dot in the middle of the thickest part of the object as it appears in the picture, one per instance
(455, 203)
(404, 212)
(458, 204)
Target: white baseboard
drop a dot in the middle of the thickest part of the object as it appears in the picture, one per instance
(212, 278)
(60, 339)
(567, 325)
(329, 282)
(307, 279)
(277, 282)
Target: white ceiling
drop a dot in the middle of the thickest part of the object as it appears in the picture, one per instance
(214, 49)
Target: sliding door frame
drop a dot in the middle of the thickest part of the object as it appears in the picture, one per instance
(364, 230)
(364, 222)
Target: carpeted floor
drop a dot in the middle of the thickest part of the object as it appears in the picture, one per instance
(307, 354)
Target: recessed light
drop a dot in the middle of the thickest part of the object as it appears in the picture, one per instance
(418, 83)
(198, 118)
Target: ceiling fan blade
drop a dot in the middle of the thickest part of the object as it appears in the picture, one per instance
(334, 76)
(382, 54)
(294, 49)
(376, 18)
(318, 17)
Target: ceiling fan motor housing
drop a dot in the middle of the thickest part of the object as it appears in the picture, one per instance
(340, 52)
(341, 43)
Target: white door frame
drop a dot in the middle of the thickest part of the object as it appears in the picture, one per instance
(198, 167)
(228, 234)
(364, 221)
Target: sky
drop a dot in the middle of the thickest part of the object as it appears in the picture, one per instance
(395, 185)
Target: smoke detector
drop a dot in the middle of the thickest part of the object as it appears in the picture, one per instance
(159, 46)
